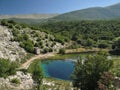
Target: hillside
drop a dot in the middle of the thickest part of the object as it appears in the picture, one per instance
(16, 40)
(95, 13)
(9, 50)
(28, 18)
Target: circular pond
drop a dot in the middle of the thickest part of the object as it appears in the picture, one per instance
(60, 69)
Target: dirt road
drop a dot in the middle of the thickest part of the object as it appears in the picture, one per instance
(41, 56)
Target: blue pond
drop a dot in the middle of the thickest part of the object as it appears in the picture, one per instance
(60, 69)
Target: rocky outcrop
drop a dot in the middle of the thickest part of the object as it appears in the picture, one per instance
(8, 49)
(26, 82)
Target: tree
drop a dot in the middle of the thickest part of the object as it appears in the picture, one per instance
(103, 45)
(28, 46)
(89, 42)
(106, 81)
(116, 44)
(62, 51)
(37, 75)
(7, 67)
(88, 71)
(4, 22)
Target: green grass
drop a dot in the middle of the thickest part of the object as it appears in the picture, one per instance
(31, 67)
(58, 83)
(66, 56)
(116, 67)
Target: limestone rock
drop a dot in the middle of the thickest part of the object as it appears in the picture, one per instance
(8, 49)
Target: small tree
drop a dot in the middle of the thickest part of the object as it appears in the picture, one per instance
(37, 75)
(88, 71)
(89, 42)
(7, 67)
(116, 44)
(106, 81)
(62, 51)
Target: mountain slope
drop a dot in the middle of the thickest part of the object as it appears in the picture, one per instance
(29, 18)
(96, 13)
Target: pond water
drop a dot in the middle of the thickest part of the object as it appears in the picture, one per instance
(60, 69)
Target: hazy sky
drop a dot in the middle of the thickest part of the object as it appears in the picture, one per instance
(49, 6)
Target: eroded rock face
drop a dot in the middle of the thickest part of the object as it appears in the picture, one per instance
(26, 82)
(8, 49)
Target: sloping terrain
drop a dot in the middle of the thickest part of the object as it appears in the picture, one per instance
(96, 13)
(8, 49)
(17, 40)
(29, 18)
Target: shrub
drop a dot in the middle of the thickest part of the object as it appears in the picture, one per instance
(62, 51)
(15, 32)
(88, 71)
(45, 50)
(102, 45)
(29, 46)
(4, 22)
(50, 50)
(7, 67)
(15, 80)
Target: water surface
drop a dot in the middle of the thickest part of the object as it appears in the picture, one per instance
(60, 69)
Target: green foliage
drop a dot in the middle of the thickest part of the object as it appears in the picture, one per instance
(106, 81)
(103, 45)
(28, 46)
(85, 33)
(7, 67)
(89, 42)
(15, 80)
(96, 13)
(59, 39)
(45, 50)
(15, 32)
(37, 75)
(117, 44)
(4, 22)
(88, 71)
(62, 51)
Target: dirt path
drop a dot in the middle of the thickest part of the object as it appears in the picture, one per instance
(41, 56)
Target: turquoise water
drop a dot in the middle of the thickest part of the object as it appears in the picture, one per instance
(60, 69)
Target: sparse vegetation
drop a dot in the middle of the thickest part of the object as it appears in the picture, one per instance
(15, 80)
(7, 68)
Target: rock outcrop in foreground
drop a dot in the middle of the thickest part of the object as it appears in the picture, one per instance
(26, 82)
(8, 49)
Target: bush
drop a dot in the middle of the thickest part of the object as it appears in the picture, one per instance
(7, 68)
(62, 51)
(29, 46)
(102, 45)
(15, 80)
(45, 50)
(50, 50)
(88, 71)
(4, 22)
(15, 32)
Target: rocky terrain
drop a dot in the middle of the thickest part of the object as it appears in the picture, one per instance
(16, 41)
(8, 49)
(25, 82)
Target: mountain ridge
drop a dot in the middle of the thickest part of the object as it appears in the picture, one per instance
(93, 13)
